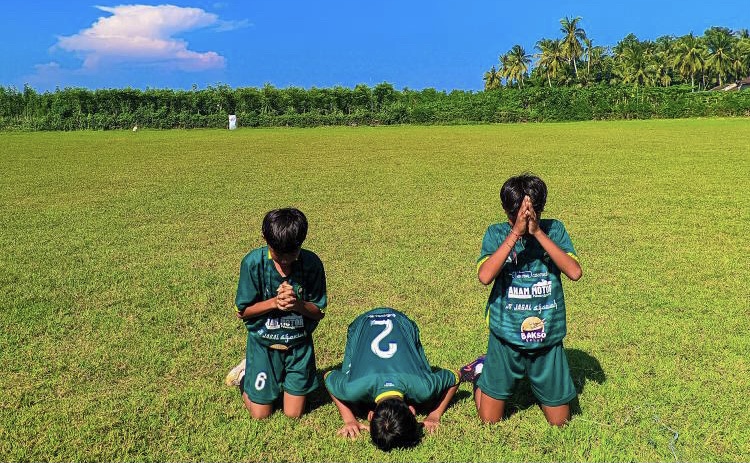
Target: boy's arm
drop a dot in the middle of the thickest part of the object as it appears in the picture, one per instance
(564, 261)
(490, 268)
(307, 309)
(287, 301)
(249, 291)
(352, 426)
(432, 421)
(259, 308)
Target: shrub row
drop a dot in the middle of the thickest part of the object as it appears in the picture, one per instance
(80, 109)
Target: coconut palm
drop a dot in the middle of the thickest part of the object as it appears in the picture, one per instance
(505, 68)
(689, 57)
(663, 59)
(550, 57)
(636, 66)
(588, 45)
(719, 41)
(492, 79)
(572, 35)
(520, 63)
(741, 55)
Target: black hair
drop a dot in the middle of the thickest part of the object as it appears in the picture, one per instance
(393, 425)
(285, 229)
(515, 188)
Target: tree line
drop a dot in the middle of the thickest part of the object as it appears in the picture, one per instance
(111, 109)
(719, 56)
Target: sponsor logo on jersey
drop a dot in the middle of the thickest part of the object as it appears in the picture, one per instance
(541, 289)
(532, 330)
(528, 274)
(519, 307)
(518, 292)
(292, 322)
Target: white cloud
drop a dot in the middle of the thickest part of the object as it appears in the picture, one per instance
(225, 26)
(143, 34)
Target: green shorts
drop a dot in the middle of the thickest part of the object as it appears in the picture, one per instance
(547, 370)
(268, 370)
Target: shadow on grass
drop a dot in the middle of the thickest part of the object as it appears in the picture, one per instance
(319, 397)
(583, 368)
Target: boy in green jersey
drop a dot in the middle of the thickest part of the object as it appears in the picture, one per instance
(281, 297)
(385, 371)
(525, 257)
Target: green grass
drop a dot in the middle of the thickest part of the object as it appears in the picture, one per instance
(119, 255)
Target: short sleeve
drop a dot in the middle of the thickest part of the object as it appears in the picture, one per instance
(489, 243)
(338, 384)
(316, 285)
(560, 236)
(434, 384)
(249, 289)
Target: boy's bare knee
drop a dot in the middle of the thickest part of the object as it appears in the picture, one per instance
(260, 414)
(557, 422)
(489, 420)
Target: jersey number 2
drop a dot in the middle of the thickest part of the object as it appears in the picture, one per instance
(375, 345)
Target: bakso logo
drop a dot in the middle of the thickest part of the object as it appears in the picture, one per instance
(532, 330)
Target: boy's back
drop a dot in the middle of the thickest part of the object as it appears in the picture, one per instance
(384, 354)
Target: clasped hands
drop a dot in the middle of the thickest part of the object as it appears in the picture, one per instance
(526, 220)
(286, 299)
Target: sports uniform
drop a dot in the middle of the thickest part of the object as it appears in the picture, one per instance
(526, 316)
(279, 348)
(384, 358)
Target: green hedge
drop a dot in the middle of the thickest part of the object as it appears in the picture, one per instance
(116, 109)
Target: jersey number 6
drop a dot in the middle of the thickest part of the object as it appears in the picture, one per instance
(375, 345)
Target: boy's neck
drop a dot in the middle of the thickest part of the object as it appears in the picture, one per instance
(283, 271)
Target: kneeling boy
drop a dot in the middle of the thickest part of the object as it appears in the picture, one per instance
(385, 369)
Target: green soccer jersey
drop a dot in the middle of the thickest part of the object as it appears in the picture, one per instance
(259, 281)
(384, 357)
(526, 307)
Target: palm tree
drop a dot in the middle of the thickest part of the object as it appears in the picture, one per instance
(741, 53)
(505, 68)
(636, 66)
(719, 41)
(550, 57)
(588, 45)
(689, 57)
(572, 34)
(520, 62)
(492, 79)
(665, 46)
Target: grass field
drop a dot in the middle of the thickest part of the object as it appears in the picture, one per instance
(119, 254)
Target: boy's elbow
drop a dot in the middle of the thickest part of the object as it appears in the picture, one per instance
(576, 274)
(483, 279)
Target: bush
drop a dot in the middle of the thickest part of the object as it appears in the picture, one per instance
(80, 109)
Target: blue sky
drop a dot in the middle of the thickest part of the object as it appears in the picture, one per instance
(420, 44)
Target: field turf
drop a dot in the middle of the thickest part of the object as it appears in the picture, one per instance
(119, 256)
